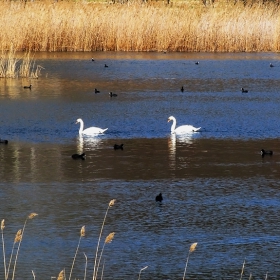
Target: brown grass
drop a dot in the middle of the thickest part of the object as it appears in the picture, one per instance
(185, 26)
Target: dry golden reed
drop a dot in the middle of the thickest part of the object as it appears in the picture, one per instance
(180, 26)
(61, 275)
(83, 231)
(32, 215)
(192, 247)
(98, 259)
(18, 236)
(110, 237)
(2, 224)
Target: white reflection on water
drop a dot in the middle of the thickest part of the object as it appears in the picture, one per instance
(172, 141)
(87, 143)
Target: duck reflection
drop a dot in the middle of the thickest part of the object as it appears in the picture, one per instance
(172, 143)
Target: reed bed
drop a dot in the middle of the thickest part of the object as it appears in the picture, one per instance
(13, 66)
(185, 26)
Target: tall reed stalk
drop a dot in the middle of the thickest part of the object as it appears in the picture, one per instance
(192, 248)
(141, 271)
(85, 274)
(31, 216)
(3, 246)
(82, 234)
(111, 203)
(16, 240)
(242, 270)
(108, 239)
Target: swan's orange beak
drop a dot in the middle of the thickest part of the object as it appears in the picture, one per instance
(168, 120)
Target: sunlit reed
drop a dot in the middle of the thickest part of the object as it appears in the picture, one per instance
(30, 216)
(82, 234)
(242, 270)
(225, 26)
(13, 65)
(61, 275)
(85, 274)
(3, 247)
(141, 271)
(108, 239)
(192, 248)
(16, 240)
(111, 203)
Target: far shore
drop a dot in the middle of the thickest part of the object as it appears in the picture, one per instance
(186, 26)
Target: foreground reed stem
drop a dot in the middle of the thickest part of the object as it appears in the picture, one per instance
(82, 234)
(141, 271)
(31, 216)
(111, 203)
(3, 246)
(192, 248)
(85, 276)
(242, 270)
(108, 239)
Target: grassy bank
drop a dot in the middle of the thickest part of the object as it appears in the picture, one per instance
(188, 26)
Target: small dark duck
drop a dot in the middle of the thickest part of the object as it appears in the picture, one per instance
(29, 87)
(79, 156)
(118, 147)
(112, 94)
(244, 90)
(182, 89)
(96, 90)
(197, 62)
(106, 65)
(271, 65)
(266, 152)
(2, 141)
(159, 197)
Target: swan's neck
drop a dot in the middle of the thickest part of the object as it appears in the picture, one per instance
(173, 125)
(81, 127)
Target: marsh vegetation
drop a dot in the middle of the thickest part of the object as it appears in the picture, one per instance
(136, 26)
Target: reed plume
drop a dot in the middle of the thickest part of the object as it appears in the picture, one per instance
(61, 275)
(108, 239)
(16, 240)
(111, 203)
(192, 248)
(3, 246)
(82, 234)
(29, 217)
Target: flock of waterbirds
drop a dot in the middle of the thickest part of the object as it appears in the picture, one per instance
(181, 129)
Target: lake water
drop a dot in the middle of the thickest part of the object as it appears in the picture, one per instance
(217, 189)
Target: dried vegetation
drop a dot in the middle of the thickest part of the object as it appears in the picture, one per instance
(140, 26)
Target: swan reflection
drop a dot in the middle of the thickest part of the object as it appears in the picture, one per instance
(85, 143)
(173, 141)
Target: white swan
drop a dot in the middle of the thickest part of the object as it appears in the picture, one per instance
(89, 131)
(183, 128)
